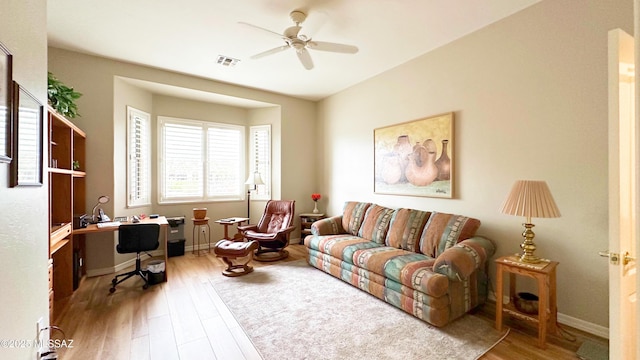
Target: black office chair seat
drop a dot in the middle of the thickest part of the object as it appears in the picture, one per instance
(136, 238)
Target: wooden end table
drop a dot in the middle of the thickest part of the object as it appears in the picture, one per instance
(232, 221)
(305, 223)
(545, 275)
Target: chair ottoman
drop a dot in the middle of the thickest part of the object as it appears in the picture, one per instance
(233, 250)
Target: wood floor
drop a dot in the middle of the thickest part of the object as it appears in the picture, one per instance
(184, 319)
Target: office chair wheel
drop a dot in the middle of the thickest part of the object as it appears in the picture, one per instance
(112, 290)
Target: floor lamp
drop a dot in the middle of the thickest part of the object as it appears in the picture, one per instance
(253, 181)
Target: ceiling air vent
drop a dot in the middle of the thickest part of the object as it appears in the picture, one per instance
(226, 61)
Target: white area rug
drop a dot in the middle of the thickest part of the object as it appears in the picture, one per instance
(294, 311)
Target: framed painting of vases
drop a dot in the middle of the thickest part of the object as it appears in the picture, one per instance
(415, 158)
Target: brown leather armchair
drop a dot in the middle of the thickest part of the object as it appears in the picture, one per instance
(272, 231)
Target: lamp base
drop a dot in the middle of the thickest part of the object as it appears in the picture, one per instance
(530, 259)
(528, 246)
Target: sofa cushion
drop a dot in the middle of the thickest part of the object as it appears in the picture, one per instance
(442, 231)
(339, 246)
(353, 215)
(375, 258)
(405, 229)
(410, 269)
(376, 223)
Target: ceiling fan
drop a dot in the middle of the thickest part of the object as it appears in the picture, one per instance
(296, 39)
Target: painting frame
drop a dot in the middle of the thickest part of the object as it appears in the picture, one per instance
(28, 114)
(6, 94)
(416, 158)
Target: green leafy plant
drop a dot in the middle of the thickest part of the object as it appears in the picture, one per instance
(62, 97)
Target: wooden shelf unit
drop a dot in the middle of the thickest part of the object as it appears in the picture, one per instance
(67, 187)
(305, 224)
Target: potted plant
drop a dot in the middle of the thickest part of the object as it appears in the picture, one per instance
(62, 97)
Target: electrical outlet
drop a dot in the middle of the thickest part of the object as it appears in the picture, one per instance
(39, 326)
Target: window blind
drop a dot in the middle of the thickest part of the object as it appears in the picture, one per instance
(224, 170)
(201, 160)
(261, 159)
(139, 158)
(183, 161)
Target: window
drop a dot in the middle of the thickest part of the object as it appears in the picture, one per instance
(200, 161)
(260, 137)
(138, 158)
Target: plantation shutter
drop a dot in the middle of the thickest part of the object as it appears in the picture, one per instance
(224, 165)
(139, 158)
(261, 159)
(183, 160)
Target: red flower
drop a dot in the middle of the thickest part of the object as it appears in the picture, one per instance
(315, 197)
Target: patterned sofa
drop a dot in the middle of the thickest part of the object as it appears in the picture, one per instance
(428, 264)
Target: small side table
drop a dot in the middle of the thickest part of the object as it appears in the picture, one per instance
(305, 224)
(201, 226)
(545, 275)
(232, 221)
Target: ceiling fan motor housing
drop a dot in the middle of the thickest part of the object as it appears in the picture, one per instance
(297, 16)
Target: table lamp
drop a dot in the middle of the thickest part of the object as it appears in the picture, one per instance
(253, 181)
(531, 199)
(101, 200)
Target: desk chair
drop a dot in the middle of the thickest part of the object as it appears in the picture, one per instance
(136, 238)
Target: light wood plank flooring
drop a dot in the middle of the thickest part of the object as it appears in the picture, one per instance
(184, 319)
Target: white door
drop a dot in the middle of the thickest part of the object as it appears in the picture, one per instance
(623, 200)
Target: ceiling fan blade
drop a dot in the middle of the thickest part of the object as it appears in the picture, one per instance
(305, 58)
(280, 36)
(333, 47)
(270, 52)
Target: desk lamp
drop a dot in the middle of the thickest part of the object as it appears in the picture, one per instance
(253, 181)
(101, 200)
(530, 198)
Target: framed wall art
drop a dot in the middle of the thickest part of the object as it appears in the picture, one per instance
(415, 158)
(6, 92)
(26, 166)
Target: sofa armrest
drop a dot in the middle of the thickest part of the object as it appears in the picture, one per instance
(328, 226)
(462, 259)
(245, 228)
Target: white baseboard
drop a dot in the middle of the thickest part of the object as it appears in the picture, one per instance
(201, 247)
(575, 323)
(585, 326)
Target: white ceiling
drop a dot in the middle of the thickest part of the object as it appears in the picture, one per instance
(187, 36)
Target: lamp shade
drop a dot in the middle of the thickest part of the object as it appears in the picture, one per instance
(530, 198)
(254, 179)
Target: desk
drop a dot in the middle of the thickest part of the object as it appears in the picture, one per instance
(161, 220)
(232, 221)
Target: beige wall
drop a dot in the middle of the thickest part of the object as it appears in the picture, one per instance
(24, 211)
(530, 99)
(106, 92)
